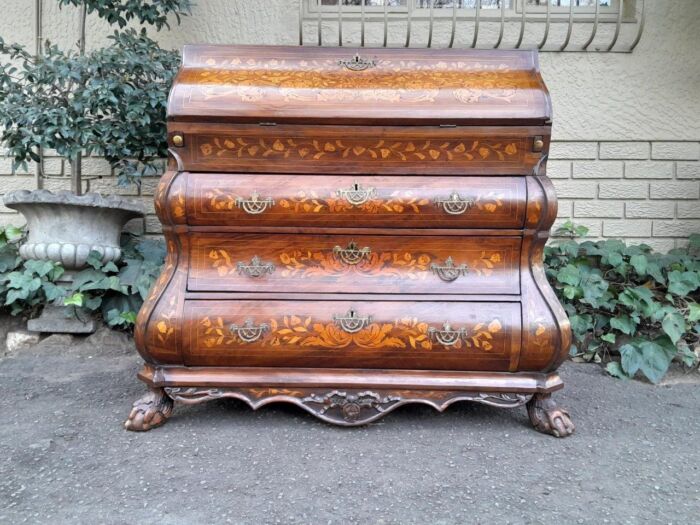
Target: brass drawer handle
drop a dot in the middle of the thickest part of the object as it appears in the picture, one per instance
(249, 333)
(255, 205)
(351, 322)
(356, 195)
(447, 336)
(449, 272)
(351, 254)
(255, 268)
(454, 204)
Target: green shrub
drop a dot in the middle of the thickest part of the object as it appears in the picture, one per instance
(113, 291)
(628, 299)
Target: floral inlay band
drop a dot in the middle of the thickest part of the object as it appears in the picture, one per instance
(302, 148)
(292, 330)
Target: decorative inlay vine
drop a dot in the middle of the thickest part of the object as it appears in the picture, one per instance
(302, 148)
(406, 265)
(404, 81)
(295, 331)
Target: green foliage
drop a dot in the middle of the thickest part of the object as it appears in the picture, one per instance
(628, 299)
(120, 12)
(114, 291)
(118, 291)
(110, 102)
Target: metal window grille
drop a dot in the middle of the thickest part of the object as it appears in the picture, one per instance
(582, 16)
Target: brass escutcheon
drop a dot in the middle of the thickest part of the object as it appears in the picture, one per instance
(356, 195)
(249, 333)
(255, 268)
(447, 336)
(351, 254)
(449, 272)
(351, 322)
(255, 205)
(454, 204)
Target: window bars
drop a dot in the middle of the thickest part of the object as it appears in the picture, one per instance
(521, 13)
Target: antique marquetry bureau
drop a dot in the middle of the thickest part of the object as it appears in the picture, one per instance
(354, 230)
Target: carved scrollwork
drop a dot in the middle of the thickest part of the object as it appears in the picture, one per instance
(448, 272)
(255, 205)
(351, 322)
(255, 268)
(454, 204)
(447, 336)
(352, 405)
(352, 254)
(250, 332)
(356, 195)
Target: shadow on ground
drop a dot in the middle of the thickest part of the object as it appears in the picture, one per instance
(65, 458)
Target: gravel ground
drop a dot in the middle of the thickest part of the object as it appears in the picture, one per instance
(65, 458)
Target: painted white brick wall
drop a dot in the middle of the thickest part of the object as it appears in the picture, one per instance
(639, 191)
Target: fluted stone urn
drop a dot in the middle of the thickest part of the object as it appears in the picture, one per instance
(65, 228)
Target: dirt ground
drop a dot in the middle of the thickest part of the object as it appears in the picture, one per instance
(65, 457)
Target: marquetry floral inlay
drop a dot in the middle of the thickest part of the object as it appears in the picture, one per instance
(406, 265)
(405, 81)
(387, 150)
(404, 333)
(311, 201)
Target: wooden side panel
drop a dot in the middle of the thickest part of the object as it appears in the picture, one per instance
(355, 264)
(407, 150)
(360, 201)
(398, 335)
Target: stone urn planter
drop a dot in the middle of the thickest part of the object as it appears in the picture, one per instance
(64, 227)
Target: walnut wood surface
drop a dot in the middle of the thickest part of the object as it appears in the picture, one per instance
(323, 201)
(407, 86)
(397, 335)
(286, 166)
(393, 264)
(400, 150)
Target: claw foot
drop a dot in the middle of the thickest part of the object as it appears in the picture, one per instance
(548, 418)
(151, 411)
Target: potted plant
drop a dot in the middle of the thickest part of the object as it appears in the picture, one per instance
(109, 102)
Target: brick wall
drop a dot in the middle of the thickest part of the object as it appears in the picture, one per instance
(641, 191)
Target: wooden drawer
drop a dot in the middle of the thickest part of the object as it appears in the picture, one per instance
(354, 264)
(400, 150)
(344, 201)
(346, 334)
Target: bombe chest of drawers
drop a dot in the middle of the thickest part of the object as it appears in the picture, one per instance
(351, 231)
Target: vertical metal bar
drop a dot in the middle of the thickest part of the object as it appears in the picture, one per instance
(640, 30)
(477, 17)
(409, 20)
(386, 21)
(340, 23)
(617, 26)
(503, 23)
(522, 26)
(595, 26)
(319, 28)
(430, 26)
(571, 25)
(362, 24)
(301, 22)
(546, 25)
(38, 33)
(454, 23)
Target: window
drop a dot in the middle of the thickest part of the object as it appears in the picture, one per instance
(572, 25)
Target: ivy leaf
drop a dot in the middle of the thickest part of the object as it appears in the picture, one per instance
(639, 263)
(77, 299)
(674, 326)
(652, 358)
(693, 312)
(682, 283)
(624, 324)
(609, 338)
(615, 369)
(570, 275)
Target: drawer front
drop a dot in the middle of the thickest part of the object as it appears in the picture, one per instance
(251, 148)
(346, 334)
(344, 201)
(354, 264)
